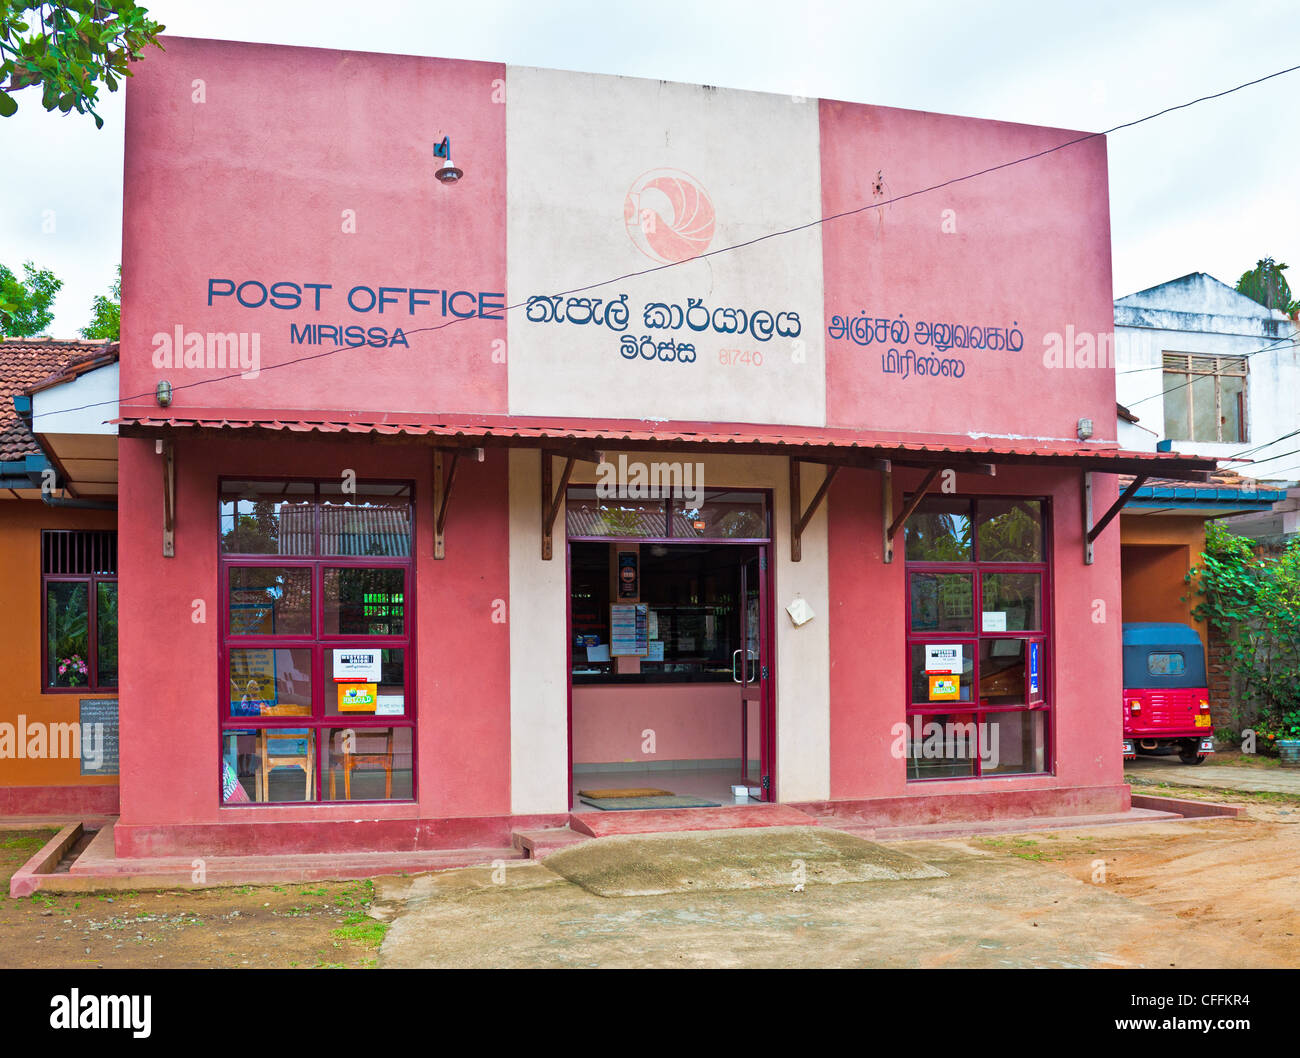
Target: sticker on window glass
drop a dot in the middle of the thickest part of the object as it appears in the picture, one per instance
(944, 686)
(357, 697)
(357, 664)
(1033, 669)
(994, 621)
(391, 705)
(945, 657)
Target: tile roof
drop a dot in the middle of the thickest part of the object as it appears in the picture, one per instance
(1224, 486)
(25, 362)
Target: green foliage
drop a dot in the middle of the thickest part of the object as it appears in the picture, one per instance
(106, 314)
(1253, 602)
(25, 303)
(1012, 536)
(1266, 284)
(938, 537)
(68, 48)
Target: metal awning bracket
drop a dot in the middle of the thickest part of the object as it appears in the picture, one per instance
(1091, 531)
(166, 449)
(553, 496)
(891, 527)
(442, 486)
(799, 519)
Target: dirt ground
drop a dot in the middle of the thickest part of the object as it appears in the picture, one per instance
(1188, 894)
(1214, 893)
(303, 924)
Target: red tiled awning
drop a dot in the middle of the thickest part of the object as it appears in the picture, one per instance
(800, 442)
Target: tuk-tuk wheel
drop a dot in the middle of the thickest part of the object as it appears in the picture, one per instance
(1190, 756)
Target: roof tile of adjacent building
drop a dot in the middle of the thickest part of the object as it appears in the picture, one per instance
(27, 363)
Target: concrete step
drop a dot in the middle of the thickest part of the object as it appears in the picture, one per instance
(977, 828)
(670, 820)
(540, 843)
(97, 869)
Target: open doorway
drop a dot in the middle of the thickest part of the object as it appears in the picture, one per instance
(670, 674)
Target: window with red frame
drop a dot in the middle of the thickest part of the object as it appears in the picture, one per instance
(79, 610)
(317, 658)
(978, 600)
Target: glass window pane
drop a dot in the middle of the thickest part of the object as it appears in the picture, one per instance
(267, 517)
(385, 698)
(365, 602)
(941, 745)
(1177, 425)
(942, 602)
(268, 765)
(106, 633)
(587, 514)
(1231, 398)
(1017, 743)
(375, 520)
(265, 682)
(1165, 663)
(942, 672)
(721, 513)
(1010, 530)
(1205, 415)
(270, 601)
(939, 531)
(368, 764)
(67, 633)
(240, 767)
(1002, 671)
(1011, 602)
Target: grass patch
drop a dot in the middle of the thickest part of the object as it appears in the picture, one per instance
(362, 929)
(25, 842)
(1219, 794)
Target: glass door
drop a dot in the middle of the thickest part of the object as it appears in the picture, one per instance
(749, 670)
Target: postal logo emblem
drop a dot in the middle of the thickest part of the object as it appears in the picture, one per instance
(669, 215)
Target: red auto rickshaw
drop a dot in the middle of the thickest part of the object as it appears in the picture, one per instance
(1166, 694)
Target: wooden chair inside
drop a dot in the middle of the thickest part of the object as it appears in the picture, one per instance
(271, 745)
(357, 757)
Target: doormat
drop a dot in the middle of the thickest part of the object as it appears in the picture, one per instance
(630, 804)
(632, 791)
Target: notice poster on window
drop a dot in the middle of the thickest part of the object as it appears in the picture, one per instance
(944, 686)
(1033, 669)
(253, 681)
(994, 621)
(98, 736)
(361, 665)
(629, 630)
(943, 658)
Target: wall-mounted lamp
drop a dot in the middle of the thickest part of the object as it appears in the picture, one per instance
(1085, 429)
(447, 173)
(163, 393)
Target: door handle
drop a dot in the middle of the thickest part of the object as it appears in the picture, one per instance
(735, 656)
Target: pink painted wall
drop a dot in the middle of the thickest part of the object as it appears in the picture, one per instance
(690, 721)
(252, 184)
(1031, 247)
(868, 628)
(169, 708)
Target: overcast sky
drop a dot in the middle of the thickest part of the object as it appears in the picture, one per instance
(1208, 189)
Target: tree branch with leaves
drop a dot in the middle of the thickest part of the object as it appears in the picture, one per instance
(69, 48)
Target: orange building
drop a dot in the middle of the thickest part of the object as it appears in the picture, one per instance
(58, 546)
(1162, 535)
